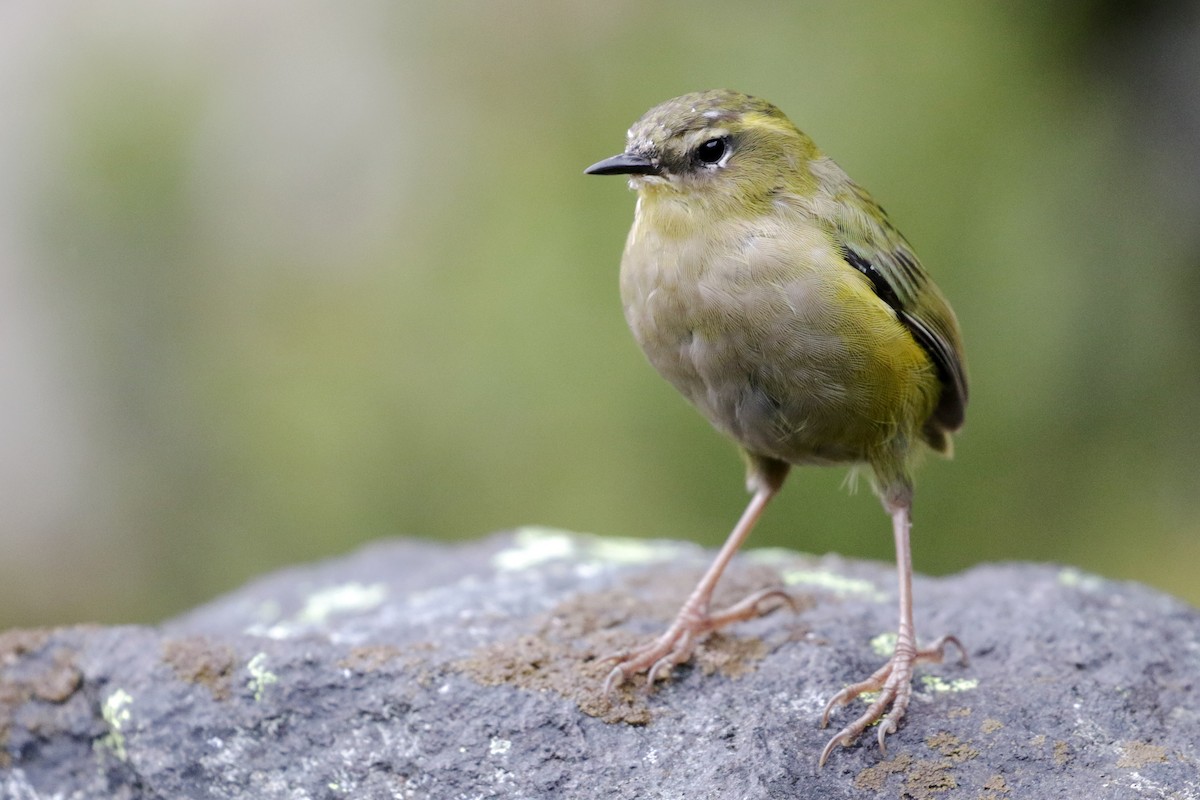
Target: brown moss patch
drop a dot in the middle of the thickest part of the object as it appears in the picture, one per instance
(950, 746)
(873, 777)
(27, 673)
(413, 659)
(993, 787)
(1136, 755)
(924, 778)
(370, 658)
(198, 660)
(929, 777)
(568, 649)
(16, 643)
(538, 663)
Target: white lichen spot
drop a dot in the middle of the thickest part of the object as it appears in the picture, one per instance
(1077, 579)
(1147, 787)
(268, 611)
(651, 756)
(534, 545)
(116, 714)
(839, 584)
(260, 676)
(624, 550)
(499, 747)
(347, 598)
(773, 555)
(936, 684)
(319, 607)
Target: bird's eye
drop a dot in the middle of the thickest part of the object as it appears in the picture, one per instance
(712, 151)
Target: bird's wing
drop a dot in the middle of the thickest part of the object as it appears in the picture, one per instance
(870, 244)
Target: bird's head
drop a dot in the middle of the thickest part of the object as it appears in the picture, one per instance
(721, 147)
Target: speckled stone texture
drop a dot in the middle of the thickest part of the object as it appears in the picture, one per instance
(419, 670)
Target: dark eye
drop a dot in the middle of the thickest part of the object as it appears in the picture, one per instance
(712, 151)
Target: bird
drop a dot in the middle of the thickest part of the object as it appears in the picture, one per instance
(775, 294)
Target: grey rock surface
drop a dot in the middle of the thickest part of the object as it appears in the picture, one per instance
(418, 670)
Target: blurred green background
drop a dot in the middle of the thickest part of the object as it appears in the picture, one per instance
(283, 277)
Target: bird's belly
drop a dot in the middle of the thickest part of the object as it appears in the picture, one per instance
(809, 370)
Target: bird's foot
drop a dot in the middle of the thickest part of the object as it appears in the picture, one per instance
(893, 681)
(675, 646)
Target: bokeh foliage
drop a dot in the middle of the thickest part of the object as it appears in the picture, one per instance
(279, 278)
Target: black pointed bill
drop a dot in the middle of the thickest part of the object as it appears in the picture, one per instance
(624, 164)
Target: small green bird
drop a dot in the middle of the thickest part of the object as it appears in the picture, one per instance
(773, 292)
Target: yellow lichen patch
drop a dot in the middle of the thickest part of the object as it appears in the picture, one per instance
(116, 714)
(990, 725)
(260, 676)
(884, 644)
(1135, 755)
(1062, 753)
(933, 683)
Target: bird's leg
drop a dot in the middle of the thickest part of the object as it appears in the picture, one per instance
(694, 621)
(893, 680)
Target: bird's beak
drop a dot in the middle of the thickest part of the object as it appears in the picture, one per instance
(624, 164)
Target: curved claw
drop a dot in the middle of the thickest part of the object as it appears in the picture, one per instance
(839, 699)
(614, 679)
(893, 681)
(664, 663)
(886, 728)
(834, 742)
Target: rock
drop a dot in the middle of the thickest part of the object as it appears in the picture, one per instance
(419, 670)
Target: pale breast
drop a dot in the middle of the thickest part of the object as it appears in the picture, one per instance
(777, 344)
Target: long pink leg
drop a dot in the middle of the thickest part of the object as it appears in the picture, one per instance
(893, 680)
(693, 621)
